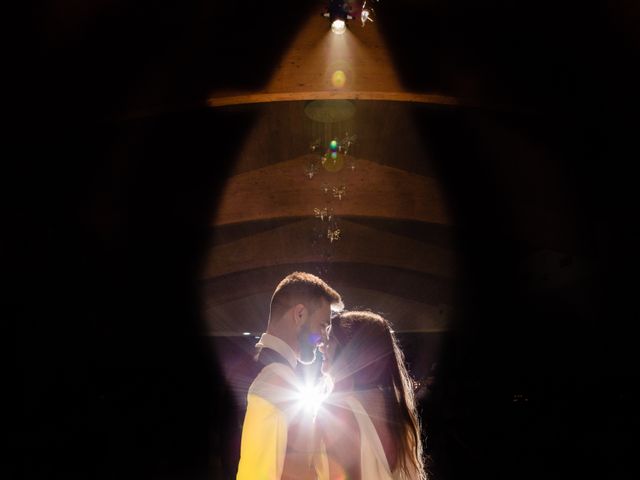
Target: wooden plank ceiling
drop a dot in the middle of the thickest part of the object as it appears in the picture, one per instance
(398, 246)
(394, 253)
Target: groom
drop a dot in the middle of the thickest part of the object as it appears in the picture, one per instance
(300, 312)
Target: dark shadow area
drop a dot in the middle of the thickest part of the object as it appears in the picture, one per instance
(536, 382)
(103, 260)
(512, 54)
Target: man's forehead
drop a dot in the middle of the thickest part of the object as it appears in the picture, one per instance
(325, 307)
(323, 312)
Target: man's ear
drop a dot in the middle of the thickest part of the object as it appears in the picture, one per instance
(299, 312)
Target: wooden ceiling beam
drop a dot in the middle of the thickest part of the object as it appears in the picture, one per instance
(294, 243)
(394, 96)
(371, 190)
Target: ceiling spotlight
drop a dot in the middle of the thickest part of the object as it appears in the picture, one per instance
(338, 26)
(338, 12)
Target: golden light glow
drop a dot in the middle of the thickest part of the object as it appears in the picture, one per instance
(338, 79)
(338, 52)
(306, 71)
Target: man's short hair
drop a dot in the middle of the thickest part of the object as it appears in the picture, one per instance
(304, 288)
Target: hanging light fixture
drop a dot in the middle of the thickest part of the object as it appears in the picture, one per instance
(365, 14)
(338, 26)
(330, 152)
(338, 12)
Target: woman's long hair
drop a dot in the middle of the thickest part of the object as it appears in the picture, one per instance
(367, 352)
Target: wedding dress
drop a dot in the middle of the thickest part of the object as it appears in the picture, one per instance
(373, 460)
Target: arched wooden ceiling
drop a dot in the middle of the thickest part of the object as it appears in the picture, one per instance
(269, 198)
(270, 201)
(293, 243)
(394, 230)
(371, 190)
(396, 252)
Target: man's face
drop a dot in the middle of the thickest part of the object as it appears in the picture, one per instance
(313, 330)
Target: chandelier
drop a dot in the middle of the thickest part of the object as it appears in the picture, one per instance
(332, 157)
(327, 167)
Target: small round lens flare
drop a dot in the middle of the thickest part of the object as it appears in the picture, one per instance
(338, 79)
(338, 27)
(333, 163)
(333, 145)
(314, 339)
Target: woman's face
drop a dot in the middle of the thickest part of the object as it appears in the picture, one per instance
(328, 349)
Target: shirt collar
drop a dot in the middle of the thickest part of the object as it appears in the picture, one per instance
(280, 346)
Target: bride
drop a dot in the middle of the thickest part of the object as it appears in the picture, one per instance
(368, 426)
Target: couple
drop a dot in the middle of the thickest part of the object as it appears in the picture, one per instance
(367, 426)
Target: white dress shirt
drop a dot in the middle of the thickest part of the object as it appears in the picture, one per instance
(280, 346)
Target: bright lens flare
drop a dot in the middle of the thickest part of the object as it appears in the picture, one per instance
(338, 27)
(310, 398)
